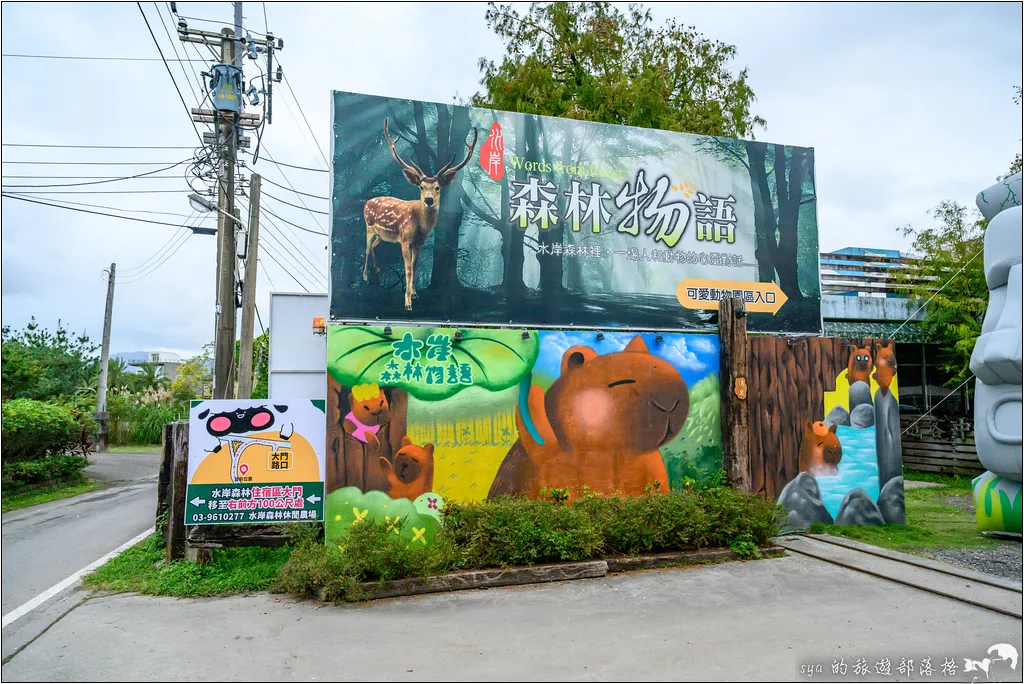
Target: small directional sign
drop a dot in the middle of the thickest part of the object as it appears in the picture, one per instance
(698, 293)
(256, 461)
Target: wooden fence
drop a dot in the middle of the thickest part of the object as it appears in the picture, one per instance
(940, 445)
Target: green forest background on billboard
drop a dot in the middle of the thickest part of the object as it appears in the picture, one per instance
(477, 263)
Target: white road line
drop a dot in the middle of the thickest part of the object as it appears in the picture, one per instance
(42, 598)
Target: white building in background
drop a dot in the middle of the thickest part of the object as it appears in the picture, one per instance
(168, 361)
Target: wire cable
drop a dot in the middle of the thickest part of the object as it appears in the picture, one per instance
(167, 258)
(297, 206)
(269, 253)
(181, 97)
(297, 192)
(97, 182)
(111, 59)
(294, 166)
(104, 147)
(88, 211)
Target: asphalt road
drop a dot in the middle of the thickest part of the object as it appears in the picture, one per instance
(782, 619)
(44, 544)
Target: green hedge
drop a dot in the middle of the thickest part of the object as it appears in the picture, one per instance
(35, 429)
(512, 531)
(65, 469)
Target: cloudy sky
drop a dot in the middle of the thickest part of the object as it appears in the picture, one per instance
(905, 105)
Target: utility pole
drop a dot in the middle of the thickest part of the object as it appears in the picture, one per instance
(228, 118)
(245, 368)
(102, 417)
(224, 345)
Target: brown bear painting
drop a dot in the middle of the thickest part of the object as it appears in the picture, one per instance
(859, 368)
(600, 424)
(368, 412)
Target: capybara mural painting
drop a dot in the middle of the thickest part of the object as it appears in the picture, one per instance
(412, 472)
(601, 423)
(437, 414)
(820, 450)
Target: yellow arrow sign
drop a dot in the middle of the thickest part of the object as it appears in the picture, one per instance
(697, 293)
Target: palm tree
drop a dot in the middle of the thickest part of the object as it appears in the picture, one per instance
(117, 373)
(151, 377)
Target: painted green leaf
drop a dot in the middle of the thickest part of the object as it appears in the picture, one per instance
(497, 358)
(1012, 521)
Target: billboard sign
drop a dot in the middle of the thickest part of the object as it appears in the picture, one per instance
(462, 215)
(253, 461)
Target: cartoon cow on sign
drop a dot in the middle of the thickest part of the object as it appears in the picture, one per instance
(230, 428)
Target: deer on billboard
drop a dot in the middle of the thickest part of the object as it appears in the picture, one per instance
(408, 222)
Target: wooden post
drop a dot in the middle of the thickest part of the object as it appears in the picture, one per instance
(163, 483)
(176, 499)
(735, 411)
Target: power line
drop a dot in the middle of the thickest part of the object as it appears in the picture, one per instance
(98, 182)
(266, 274)
(297, 192)
(175, 177)
(111, 59)
(176, 235)
(91, 163)
(269, 253)
(297, 206)
(296, 248)
(293, 166)
(134, 211)
(88, 211)
(167, 258)
(89, 192)
(105, 147)
(301, 131)
(289, 182)
(181, 66)
(314, 232)
(168, 67)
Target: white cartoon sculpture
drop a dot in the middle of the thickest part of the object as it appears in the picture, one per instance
(996, 362)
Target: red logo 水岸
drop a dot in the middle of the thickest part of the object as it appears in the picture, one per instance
(492, 153)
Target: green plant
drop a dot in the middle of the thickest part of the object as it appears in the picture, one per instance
(744, 547)
(653, 487)
(45, 365)
(35, 429)
(558, 495)
(135, 422)
(65, 469)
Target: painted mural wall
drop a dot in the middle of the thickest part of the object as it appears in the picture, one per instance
(417, 416)
(825, 429)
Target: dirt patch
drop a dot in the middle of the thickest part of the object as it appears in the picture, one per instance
(964, 502)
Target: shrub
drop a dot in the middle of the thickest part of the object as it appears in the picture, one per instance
(370, 551)
(35, 429)
(65, 469)
(132, 421)
(512, 531)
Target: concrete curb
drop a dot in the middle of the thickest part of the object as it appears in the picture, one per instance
(538, 574)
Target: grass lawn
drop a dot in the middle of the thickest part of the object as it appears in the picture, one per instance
(937, 517)
(135, 449)
(142, 569)
(12, 502)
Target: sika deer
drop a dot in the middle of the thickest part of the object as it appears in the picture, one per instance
(407, 222)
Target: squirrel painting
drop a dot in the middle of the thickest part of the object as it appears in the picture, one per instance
(412, 472)
(600, 424)
(368, 412)
(885, 365)
(820, 450)
(859, 369)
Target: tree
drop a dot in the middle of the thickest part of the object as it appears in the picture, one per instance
(949, 268)
(1017, 164)
(194, 379)
(151, 377)
(118, 375)
(594, 62)
(60, 362)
